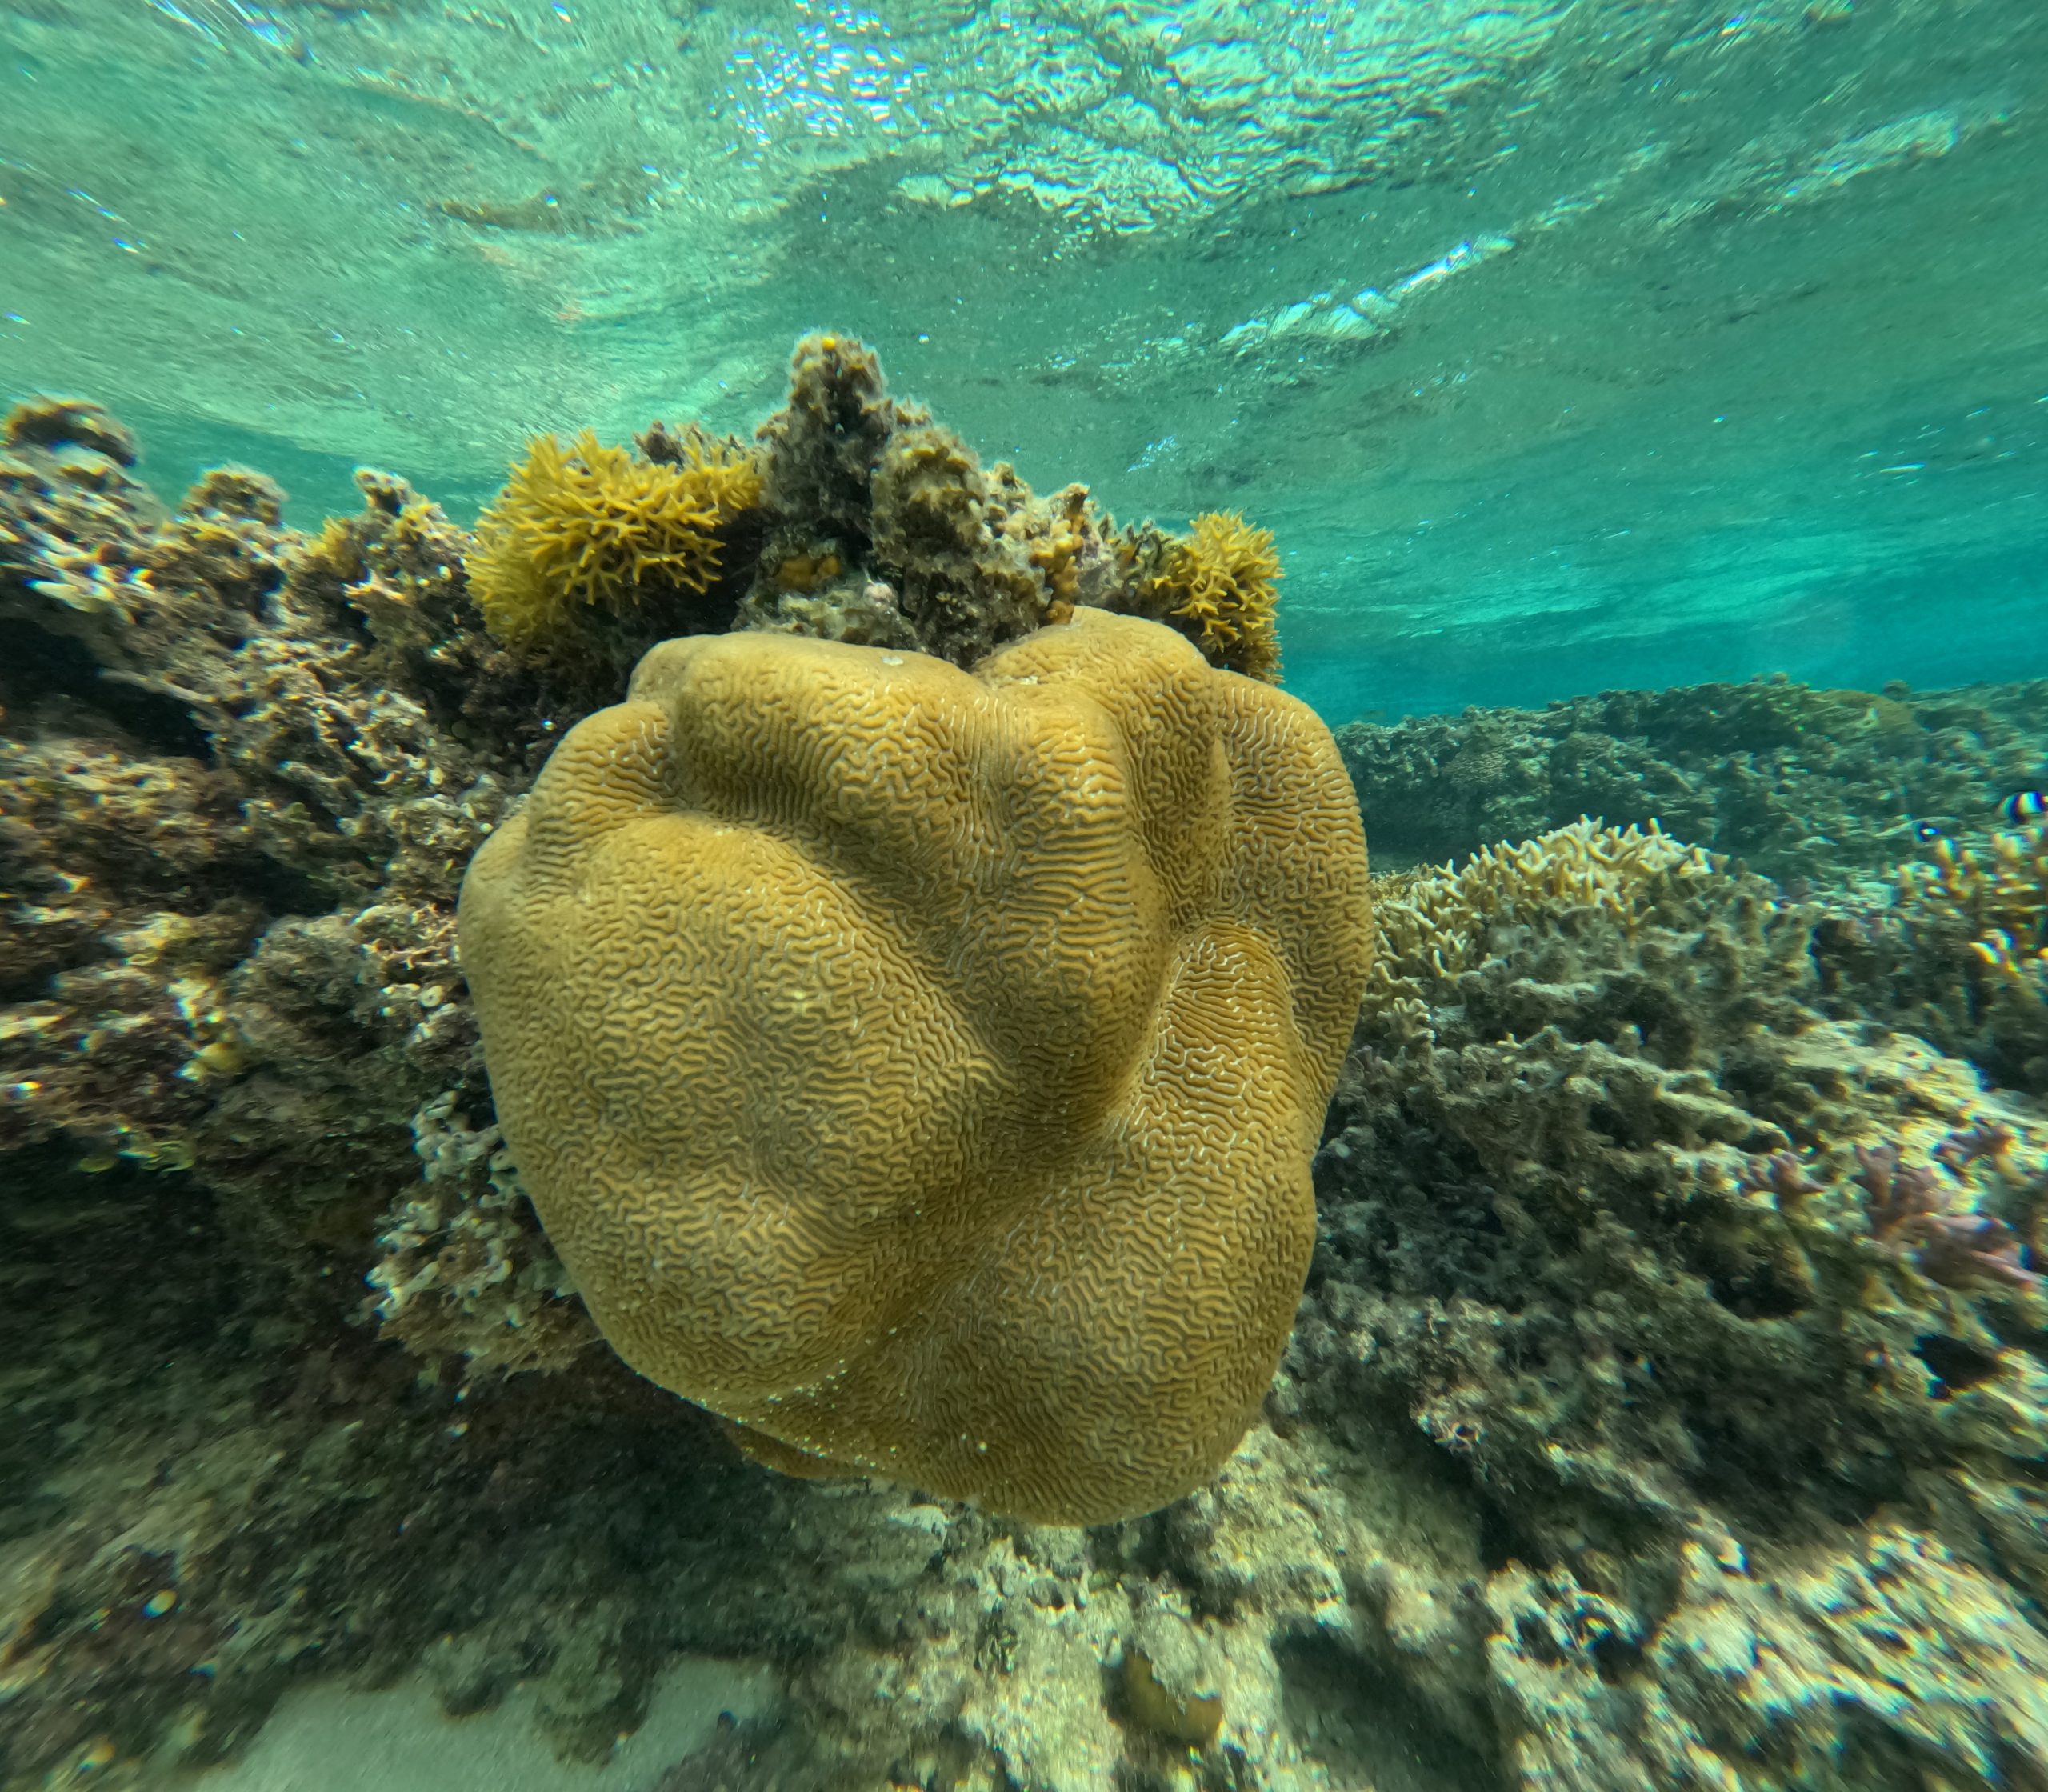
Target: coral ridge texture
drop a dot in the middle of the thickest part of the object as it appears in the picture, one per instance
(920, 1067)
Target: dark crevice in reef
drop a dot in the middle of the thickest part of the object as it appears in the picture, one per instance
(37, 664)
(1370, 1729)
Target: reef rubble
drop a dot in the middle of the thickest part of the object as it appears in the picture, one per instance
(1667, 1405)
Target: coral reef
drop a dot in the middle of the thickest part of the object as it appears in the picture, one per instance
(1717, 1303)
(993, 1183)
(942, 530)
(822, 448)
(1798, 783)
(398, 570)
(233, 833)
(1666, 1406)
(854, 517)
(57, 424)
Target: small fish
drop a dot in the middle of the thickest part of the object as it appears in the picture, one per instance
(2023, 807)
(1926, 831)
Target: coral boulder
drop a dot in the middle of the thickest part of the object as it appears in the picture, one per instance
(921, 1068)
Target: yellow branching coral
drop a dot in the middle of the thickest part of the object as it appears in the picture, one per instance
(1999, 898)
(1218, 579)
(589, 528)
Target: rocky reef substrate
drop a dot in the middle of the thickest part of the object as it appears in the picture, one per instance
(1668, 1405)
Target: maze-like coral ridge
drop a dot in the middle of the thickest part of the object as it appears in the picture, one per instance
(921, 1068)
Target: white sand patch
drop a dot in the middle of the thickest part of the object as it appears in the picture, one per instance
(333, 1738)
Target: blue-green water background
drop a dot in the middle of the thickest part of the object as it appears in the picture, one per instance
(1695, 341)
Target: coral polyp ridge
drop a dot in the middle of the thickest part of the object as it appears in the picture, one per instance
(1665, 1405)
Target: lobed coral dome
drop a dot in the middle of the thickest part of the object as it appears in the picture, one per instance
(922, 1068)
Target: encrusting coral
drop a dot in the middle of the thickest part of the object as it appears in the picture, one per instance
(962, 1040)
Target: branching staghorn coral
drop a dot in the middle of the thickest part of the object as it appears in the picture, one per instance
(1973, 971)
(2001, 896)
(1434, 922)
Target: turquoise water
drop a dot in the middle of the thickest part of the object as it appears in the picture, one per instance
(1562, 1304)
(1710, 338)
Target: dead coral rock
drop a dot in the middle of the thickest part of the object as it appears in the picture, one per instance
(236, 493)
(93, 835)
(822, 448)
(863, 612)
(73, 529)
(350, 783)
(315, 1503)
(465, 1270)
(1844, 1665)
(866, 493)
(398, 569)
(57, 423)
(964, 584)
(344, 1025)
(128, 881)
(234, 829)
(113, 1058)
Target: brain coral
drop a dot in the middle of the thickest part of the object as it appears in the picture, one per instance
(921, 1067)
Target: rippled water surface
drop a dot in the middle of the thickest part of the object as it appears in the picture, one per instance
(1563, 344)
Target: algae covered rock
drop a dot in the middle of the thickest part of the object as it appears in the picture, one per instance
(920, 1068)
